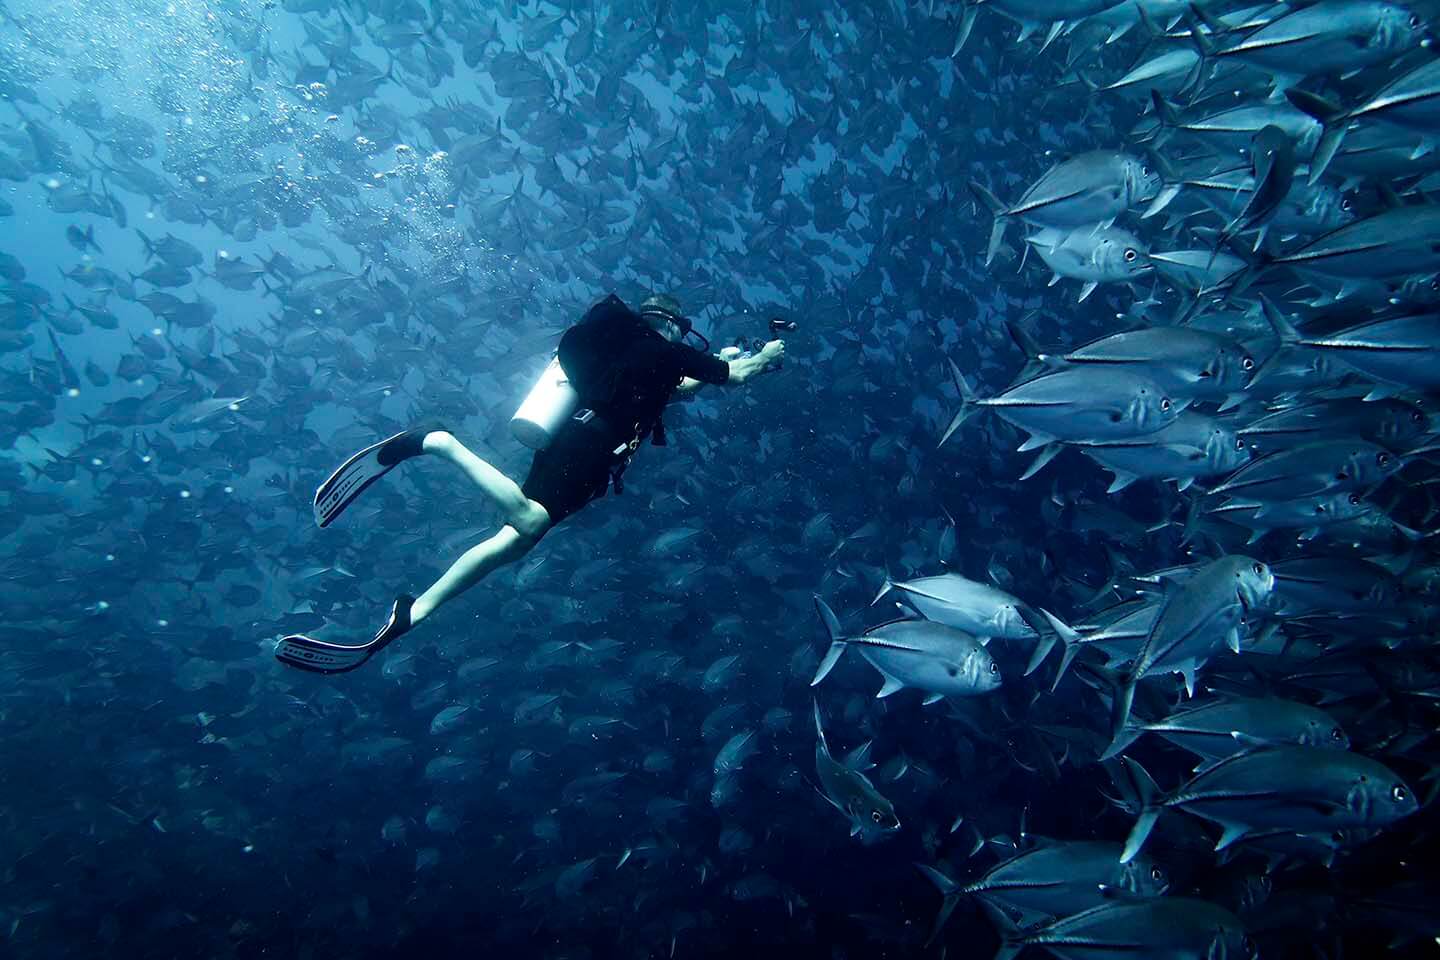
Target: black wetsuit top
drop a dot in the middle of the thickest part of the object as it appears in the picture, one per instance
(576, 467)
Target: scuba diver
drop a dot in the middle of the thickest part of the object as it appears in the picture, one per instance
(620, 368)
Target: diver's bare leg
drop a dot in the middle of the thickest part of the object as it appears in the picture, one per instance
(507, 546)
(527, 517)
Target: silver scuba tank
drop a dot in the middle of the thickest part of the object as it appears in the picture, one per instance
(550, 402)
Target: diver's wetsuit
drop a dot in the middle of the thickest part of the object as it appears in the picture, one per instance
(576, 467)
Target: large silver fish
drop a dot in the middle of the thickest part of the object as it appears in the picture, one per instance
(1313, 469)
(1193, 447)
(1085, 190)
(1185, 362)
(1224, 727)
(1086, 402)
(1197, 618)
(1093, 255)
(1301, 790)
(1053, 880)
(1164, 928)
(1411, 100)
(937, 659)
(1330, 37)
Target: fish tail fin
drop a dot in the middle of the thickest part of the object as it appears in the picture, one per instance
(149, 247)
(1284, 331)
(1124, 701)
(1169, 180)
(1011, 937)
(837, 645)
(967, 24)
(967, 403)
(1149, 795)
(1123, 740)
(820, 729)
(1068, 638)
(1028, 345)
(885, 588)
(997, 210)
(949, 890)
(1166, 119)
(1334, 119)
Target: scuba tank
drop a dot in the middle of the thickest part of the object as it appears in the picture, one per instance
(550, 402)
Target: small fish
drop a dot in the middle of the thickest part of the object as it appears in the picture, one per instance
(871, 815)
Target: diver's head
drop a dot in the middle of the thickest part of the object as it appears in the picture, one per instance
(662, 312)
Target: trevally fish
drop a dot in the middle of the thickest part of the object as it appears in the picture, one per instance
(1186, 363)
(1330, 37)
(1172, 928)
(1092, 188)
(1197, 618)
(1055, 879)
(1402, 350)
(1091, 255)
(937, 659)
(1191, 448)
(1301, 790)
(872, 817)
(1394, 424)
(1411, 100)
(1223, 727)
(1313, 469)
(1076, 403)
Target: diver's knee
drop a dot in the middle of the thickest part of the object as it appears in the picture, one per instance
(532, 523)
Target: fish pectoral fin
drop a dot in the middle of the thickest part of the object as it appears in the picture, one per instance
(1232, 833)
(891, 685)
(1086, 290)
(933, 698)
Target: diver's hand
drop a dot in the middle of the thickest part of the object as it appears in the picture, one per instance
(773, 354)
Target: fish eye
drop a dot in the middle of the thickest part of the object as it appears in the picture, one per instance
(994, 667)
(1383, 459)
(1157, 874)
(1414, 21)
(876, 816)
(1259, 569)
(1165, 403)
(1248, 363)
(1354, 499)
(952, 671)
(1337, 734)
(1320, 508)
(1145, 170)
(1345, 203)
(1130, 254)
(1239, 443)
(1398, 793)
(1416, 416)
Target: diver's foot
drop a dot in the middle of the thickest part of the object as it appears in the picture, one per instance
(322, 656)
(398, 624)
(356, 475)
(403, 446)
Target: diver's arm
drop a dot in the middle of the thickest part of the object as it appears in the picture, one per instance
(741, 370)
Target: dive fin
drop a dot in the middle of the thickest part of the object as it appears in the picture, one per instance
(355, 475)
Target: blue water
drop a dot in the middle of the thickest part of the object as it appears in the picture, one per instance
(169, 790)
